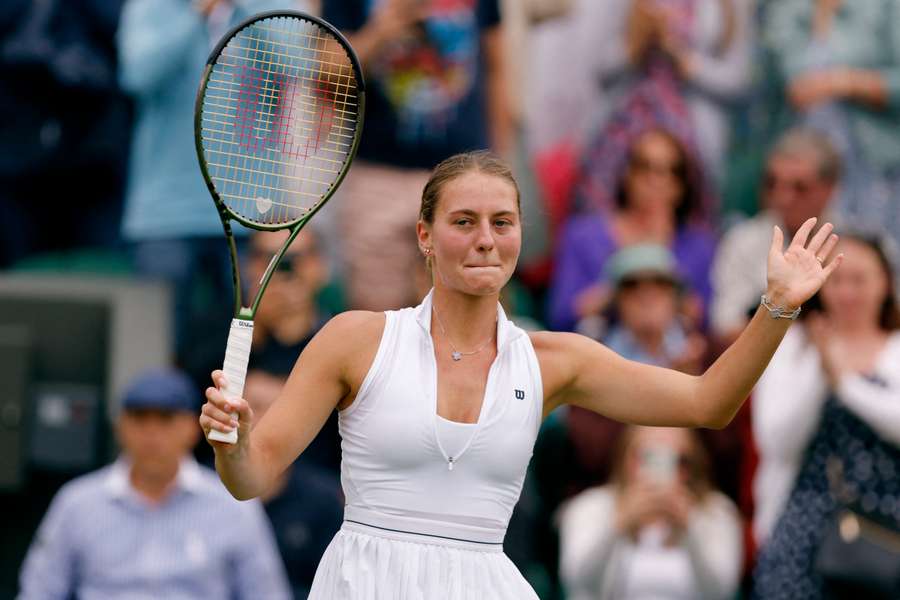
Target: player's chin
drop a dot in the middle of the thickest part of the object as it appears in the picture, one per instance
(486, 282)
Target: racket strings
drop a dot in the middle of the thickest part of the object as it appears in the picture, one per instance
(279, 119)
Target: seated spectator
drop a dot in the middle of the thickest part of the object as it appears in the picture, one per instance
(289, 314)
(838, 66)
(656, 202)
(803, 172)
(154, 524)
(829, 396)
(658, 530)
(672, 64)
(306, 504)
(645, 326)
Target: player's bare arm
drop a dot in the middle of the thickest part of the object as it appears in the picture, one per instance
(579, 371)
(327, 376)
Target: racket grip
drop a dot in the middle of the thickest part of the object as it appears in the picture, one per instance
(237, 353)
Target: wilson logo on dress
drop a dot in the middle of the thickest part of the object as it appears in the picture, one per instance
(520, 394)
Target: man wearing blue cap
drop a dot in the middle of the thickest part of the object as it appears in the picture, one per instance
(154, 524)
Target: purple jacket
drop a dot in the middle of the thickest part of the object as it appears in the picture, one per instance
(587, 242)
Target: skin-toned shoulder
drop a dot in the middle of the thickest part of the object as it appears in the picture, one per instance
(352, 328)
(351, 339)
(560, 355)
(550, 347)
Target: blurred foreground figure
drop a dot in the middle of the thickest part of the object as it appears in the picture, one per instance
(154, 524)
(659, 530)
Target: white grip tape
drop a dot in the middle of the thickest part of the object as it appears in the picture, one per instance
(237, 353)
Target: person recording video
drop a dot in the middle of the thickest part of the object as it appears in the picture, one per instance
(660, 529)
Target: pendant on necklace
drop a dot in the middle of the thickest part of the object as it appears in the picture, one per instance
(456, 355)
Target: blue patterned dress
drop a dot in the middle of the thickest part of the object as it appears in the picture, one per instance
(871, 474)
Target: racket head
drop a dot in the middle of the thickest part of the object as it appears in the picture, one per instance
(278, 118)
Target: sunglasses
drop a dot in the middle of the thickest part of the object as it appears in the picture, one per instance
(289, 263)
(641, 165)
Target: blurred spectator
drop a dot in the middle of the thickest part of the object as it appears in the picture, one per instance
(306, 504)
(802, 174)
(154, 523)
(288, 317)
(656, 202)
(645, 327)
(65, 136)
(562, 97)
(674, 64)
(169, 215)
(839, 65)
(829, 397)
(561, 101)
(520, 20)
(305, 507)
(289, 314)
(436, 87)
(658, 530)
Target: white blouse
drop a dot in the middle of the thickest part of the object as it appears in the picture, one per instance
(596, 563)
(786, 410)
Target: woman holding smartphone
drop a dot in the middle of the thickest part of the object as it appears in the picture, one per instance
(659, 529)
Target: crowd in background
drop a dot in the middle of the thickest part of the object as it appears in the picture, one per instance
(657, 143)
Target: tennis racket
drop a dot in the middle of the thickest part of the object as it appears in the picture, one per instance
(277, 122)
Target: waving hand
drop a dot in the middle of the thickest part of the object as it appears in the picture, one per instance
(798, 272)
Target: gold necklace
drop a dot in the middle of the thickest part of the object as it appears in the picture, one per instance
(456, 355)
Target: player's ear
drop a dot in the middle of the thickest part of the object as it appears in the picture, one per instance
(423, 234)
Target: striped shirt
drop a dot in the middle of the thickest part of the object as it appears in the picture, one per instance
(100, 539)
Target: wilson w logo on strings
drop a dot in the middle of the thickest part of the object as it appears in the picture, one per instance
(265, 119)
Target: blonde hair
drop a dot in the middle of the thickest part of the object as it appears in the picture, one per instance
(481, 161)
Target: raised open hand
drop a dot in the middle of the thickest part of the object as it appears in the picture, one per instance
(797, 273)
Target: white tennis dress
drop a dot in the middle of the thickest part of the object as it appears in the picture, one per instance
(428, 502)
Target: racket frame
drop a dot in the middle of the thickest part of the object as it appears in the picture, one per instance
(225, 214)
(240, 337)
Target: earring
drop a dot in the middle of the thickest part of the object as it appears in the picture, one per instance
(426, 251)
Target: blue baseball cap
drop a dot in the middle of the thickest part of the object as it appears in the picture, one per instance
(161, 389)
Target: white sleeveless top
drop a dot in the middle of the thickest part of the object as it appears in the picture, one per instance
(397, 474)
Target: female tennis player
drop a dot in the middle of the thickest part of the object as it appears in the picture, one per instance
(440, 405)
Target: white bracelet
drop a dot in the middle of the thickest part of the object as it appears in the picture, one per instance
(778, 312)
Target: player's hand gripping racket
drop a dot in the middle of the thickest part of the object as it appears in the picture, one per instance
(277, 121)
